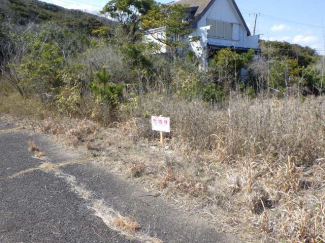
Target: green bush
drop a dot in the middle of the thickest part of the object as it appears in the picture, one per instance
(106, 92)
(41, 69)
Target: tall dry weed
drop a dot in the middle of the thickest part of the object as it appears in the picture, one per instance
(273, 147)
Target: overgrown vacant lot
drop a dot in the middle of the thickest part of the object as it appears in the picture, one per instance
(255, 167)
(245, 153)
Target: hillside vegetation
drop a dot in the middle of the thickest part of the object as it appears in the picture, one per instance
(251, 149)
(23, 12)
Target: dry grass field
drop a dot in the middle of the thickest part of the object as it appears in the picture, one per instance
(254, 167)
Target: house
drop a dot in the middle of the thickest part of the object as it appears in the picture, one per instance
(218, 23)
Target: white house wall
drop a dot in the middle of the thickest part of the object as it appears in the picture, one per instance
(154, 36)
(223, 10)
(199, 47)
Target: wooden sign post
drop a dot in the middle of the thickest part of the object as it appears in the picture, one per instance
(162, 138)
(160, 124)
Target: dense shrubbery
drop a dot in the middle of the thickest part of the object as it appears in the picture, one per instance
(286, 67)
(24, 12)
(52, 58)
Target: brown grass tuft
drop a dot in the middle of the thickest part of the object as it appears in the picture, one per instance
(32, 147)
(47, 166)
(126, 224)
(137, 170)
(186, 184)
(39, 154)
(75, 132)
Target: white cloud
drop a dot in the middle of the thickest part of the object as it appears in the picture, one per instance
(305, 40)
(281, 27)
(280, 38)
(308, 32)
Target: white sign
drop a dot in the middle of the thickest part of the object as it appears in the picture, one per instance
(160, 124)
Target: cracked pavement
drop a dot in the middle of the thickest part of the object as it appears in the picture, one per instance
(53, 199)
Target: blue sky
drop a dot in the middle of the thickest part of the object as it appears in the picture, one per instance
(294, 21)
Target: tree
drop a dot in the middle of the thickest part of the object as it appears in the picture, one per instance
(33, 55)
(259, 74)
(314, 81)
(277, 76)
(174, 28)
(107, 93)
(12, 49)
(128, 13)
(134, 56)
(3, 40)
(226, 66)
(40, 71)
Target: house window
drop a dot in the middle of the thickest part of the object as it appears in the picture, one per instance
(219, 29)
(190, 14)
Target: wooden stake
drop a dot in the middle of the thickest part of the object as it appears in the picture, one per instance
(162, 138)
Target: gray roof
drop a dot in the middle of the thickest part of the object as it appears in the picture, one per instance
(203, 6)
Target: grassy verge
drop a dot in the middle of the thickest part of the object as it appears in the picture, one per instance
(249, 166)
(257, 162)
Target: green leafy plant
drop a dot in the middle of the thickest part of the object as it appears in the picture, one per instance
(226, 67)
(41, 69)
(106, 92)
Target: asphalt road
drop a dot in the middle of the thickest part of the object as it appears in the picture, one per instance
(38, 206)
(73, 203)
